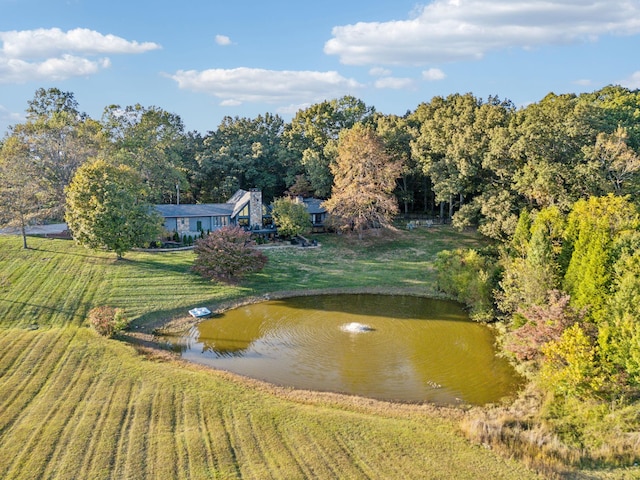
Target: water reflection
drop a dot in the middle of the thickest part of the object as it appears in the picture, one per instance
(413, 349)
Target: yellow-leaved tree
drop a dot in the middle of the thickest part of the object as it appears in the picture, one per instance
(364, 179)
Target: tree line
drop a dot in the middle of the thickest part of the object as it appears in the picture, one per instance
(474, 161)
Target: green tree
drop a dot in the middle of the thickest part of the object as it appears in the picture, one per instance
(396, 136)
(301, 187)
(612, 166)
(58, 139)
(312, 136)
(151, 141)
(364, 179)
(534, 267)
(549, 138)
(471, 278)
(23, 197)
(592, 228)
(290, 216)
(107, 208)
(571, 366)
(243, 153)
(454, 144)
(227, 254)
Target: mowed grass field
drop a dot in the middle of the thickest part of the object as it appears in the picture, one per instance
(74, 405)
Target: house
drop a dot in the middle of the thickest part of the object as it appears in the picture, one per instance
(243, 208)
(317, 212)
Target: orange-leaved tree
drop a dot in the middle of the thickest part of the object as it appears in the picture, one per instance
(364, 179)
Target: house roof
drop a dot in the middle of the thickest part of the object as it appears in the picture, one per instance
(314, 205)
(197, 210)
(239, 200)
(231, 208)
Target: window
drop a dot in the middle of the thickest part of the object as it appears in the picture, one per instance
(199, 227)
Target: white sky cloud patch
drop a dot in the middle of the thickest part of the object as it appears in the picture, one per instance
(270, 86)
(450, 30)
(433, 74)
(53, 42)
(632, 82)
(395, 83)
(223, 40)
(51, 54)
(230, 103)
(380, 72)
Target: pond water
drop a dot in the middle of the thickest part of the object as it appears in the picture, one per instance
(398, 348)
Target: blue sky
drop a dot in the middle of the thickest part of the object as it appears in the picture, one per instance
(206, 59)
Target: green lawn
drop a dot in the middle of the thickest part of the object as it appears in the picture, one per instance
(75, 405)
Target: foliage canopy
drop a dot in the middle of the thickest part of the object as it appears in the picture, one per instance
(107, 208)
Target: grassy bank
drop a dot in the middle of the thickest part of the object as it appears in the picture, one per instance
(74, 405)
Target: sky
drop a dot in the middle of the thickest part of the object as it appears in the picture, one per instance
(207, 59)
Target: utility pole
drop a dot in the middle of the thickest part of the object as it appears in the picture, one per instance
(178, 194)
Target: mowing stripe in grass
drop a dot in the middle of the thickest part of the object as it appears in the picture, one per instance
(74, 437)
(272, 439)
(51, 407)
(224, 453)
(16, 343)
(161, 439)
(108, 432)
(137, 449)
(192, 441)
(30, 374)
(125, 434)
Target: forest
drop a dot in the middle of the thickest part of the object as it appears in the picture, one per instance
(553, 186)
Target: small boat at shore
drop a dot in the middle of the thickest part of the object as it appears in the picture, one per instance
(200, 312)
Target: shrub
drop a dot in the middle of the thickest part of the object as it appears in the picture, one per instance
(107, 321)
(470, 277)
(291, 217)
(227, 254)
(543, 324)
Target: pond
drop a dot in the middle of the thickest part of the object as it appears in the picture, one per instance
(398, 348)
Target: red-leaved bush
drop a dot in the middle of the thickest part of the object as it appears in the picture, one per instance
(545, 323)
(107, 321)
(227, 255)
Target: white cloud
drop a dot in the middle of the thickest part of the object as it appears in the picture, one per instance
(380, 72)
(223, 40)
(632, 82)
(433, 74)
(395, 83)
(230, 103)
(583, 82)
(449, 30)
(59, 68)
(270, 86)
(53, 42)
(51, 54)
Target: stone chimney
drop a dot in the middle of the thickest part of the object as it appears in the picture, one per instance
(255, 208)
